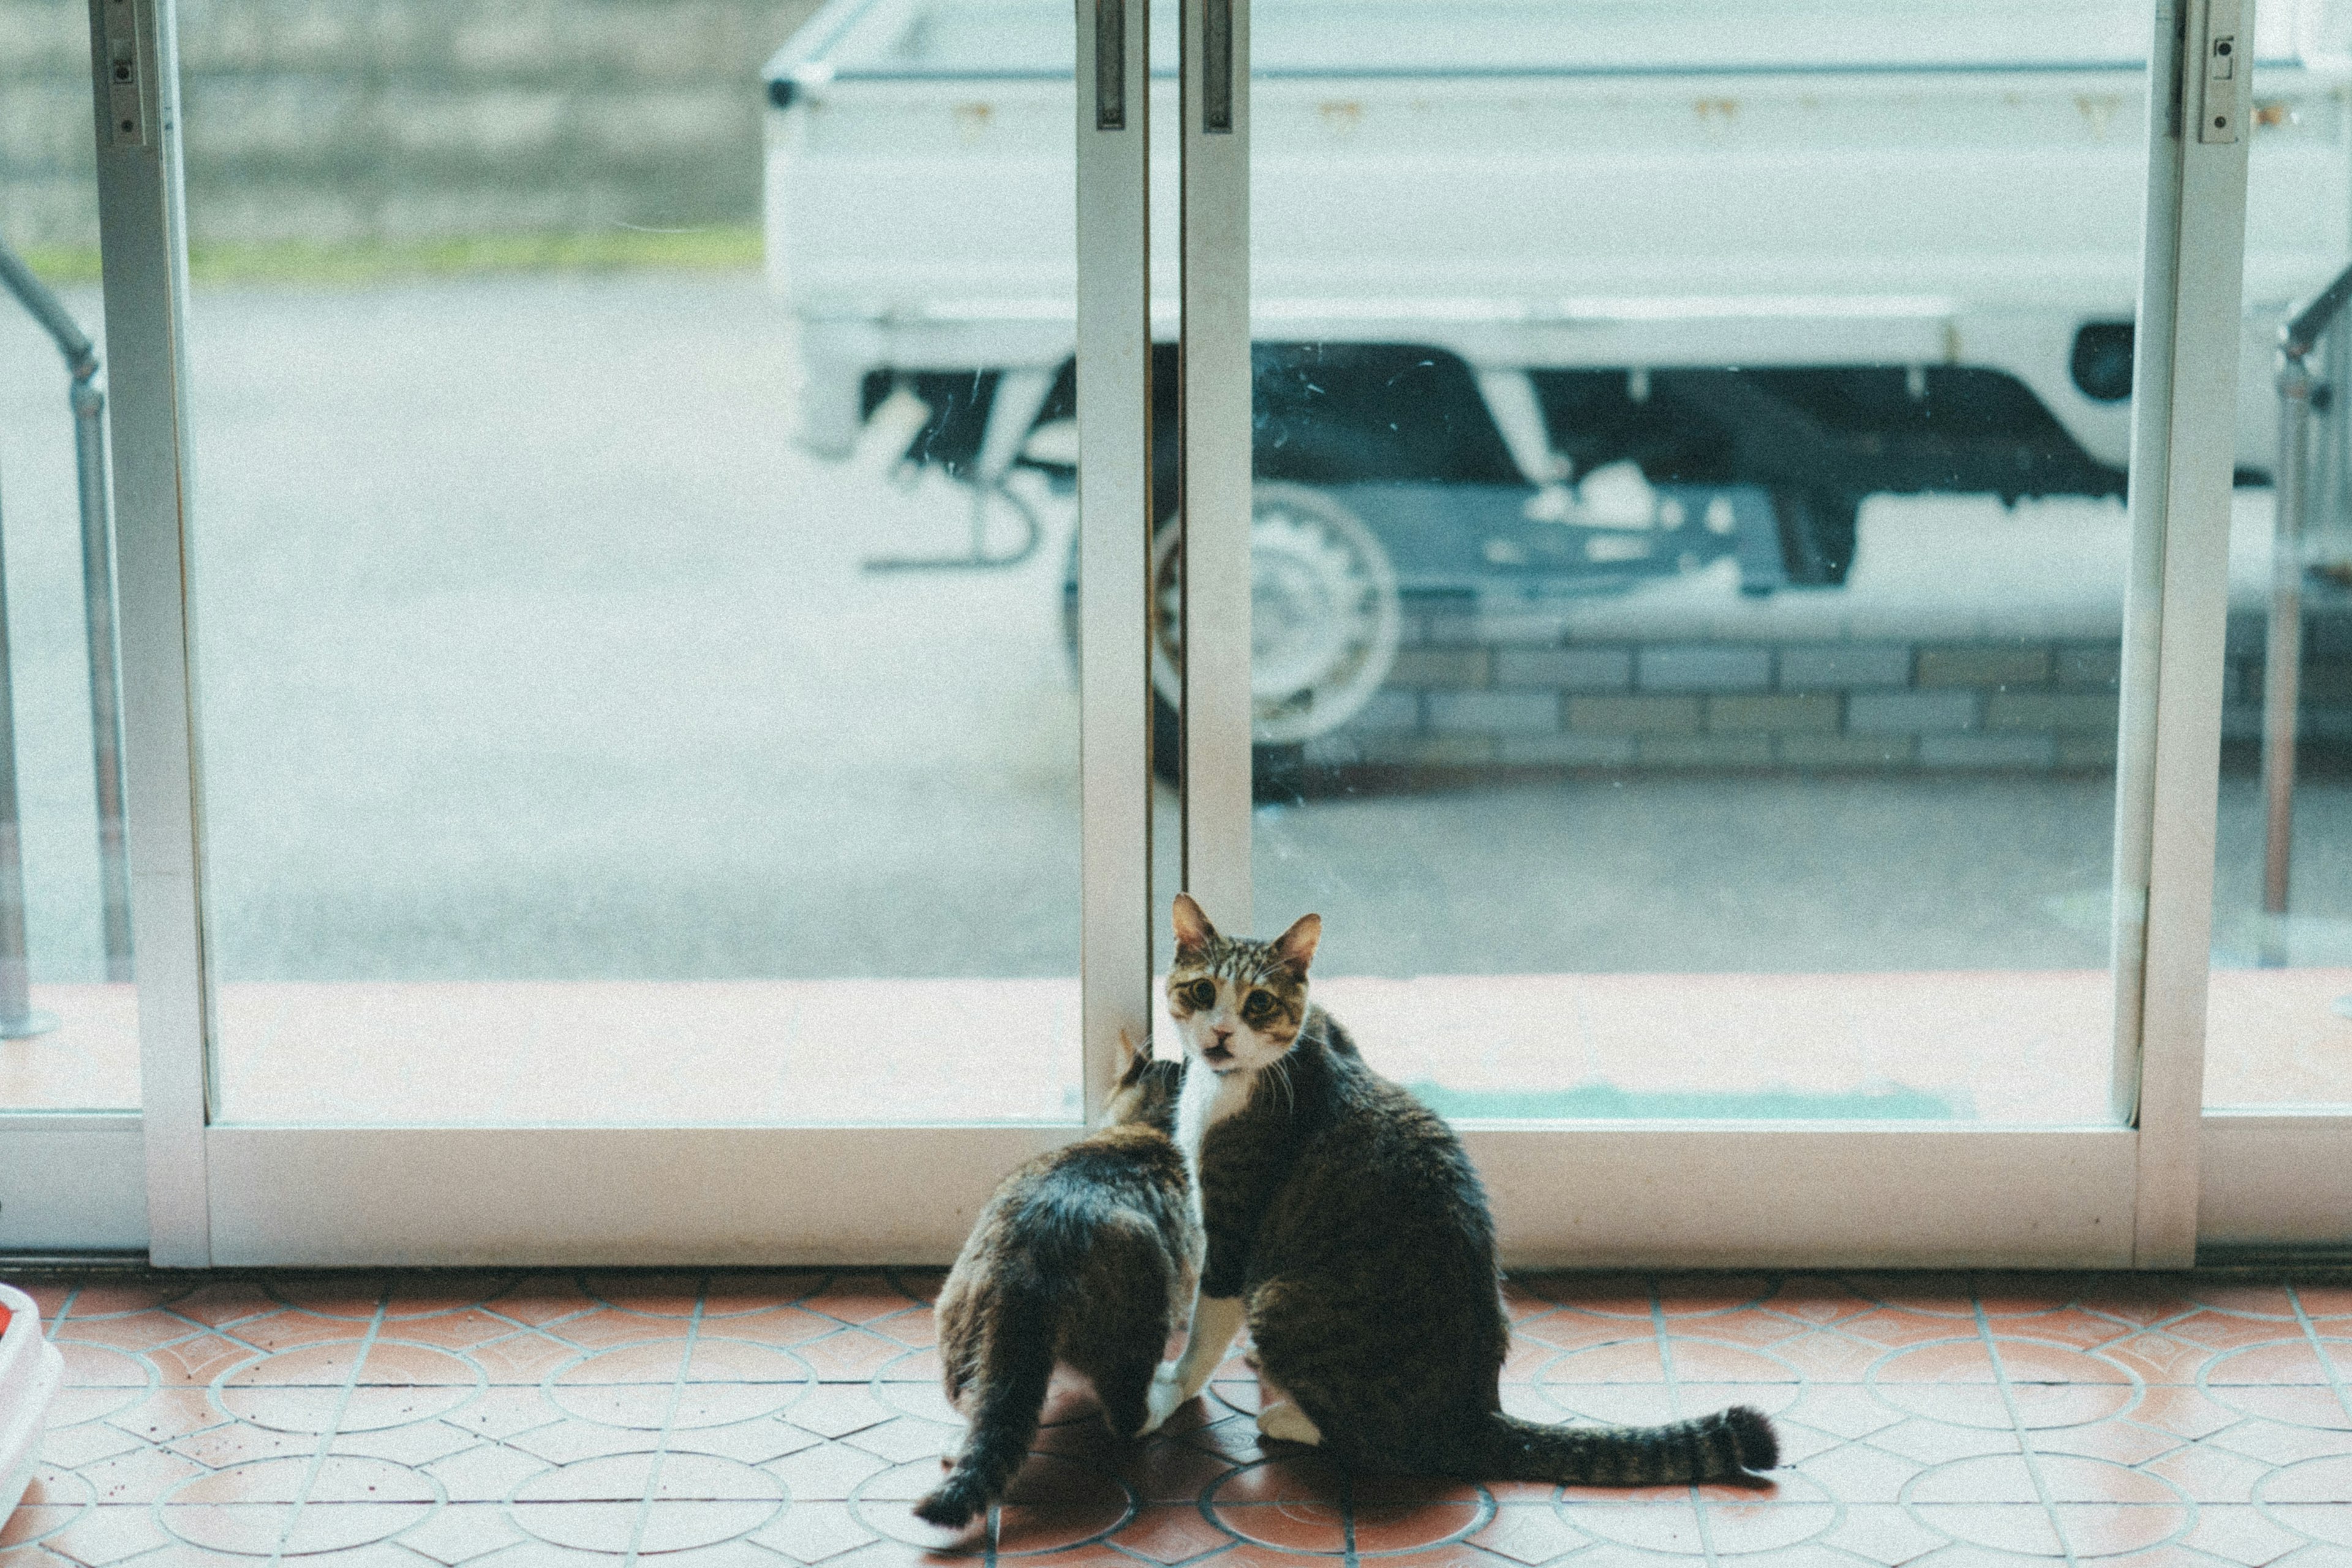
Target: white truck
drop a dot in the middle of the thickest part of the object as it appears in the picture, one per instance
(1550, 296)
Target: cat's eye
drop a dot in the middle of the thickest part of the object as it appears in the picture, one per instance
(1257, 1005)
(1201, 994)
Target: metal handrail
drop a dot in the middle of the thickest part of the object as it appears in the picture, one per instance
(2283, 661)
(89, 403)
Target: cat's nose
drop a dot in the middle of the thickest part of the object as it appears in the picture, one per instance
(1223, 1034)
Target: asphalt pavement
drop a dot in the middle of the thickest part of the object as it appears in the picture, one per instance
(530, 646)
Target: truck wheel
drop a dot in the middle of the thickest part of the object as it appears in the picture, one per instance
(1323, 614)
(1817, 534)
(1324, 622)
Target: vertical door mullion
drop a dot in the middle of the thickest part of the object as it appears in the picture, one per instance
(1114, 391)
(141, 234)
(2184, 442)
(1214, 432)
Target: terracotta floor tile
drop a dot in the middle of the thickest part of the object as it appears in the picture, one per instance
(2240, 1532)
(2186, 1412)
(1170, 1534)
(524, 1356)
(899, 1554)
(502, 1412)
(166, 1413)
(112, 1298)
(1023, 1528)
(77, 1447)
(754, 1442)
(2124, 1442)
(235, 1442)
(861, 1297)
(109, 1533)
(1403, 1526)
(1695, 1360)
(852, 1355)
(828, 1473)
(1881, 1533)
(835, 1410)
(1294, 1526)
(1665, 1527)
(813, 1531)
(1817, 1299)
(1528, 1533)
(913, 1366)
(1568, 1329)
(288, 1328)
(219, 1304)
(461, 1530)
(2024, 1528)
(34, 1521)
(2171, 1419)
(662, 1292)
(485, 1473)
(540, 1299)
(1630, 1361)
(780, 1325)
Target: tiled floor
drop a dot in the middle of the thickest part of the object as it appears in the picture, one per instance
(787, 1418)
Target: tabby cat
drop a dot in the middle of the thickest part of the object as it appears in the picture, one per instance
(1345, 1223)
(1088, 1256)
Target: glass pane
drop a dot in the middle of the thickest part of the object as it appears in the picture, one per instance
(2279, 1016)
(1690, 546)
(69, 1018)
(630, 584)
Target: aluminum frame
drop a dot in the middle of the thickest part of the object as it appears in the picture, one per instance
(1214, 428)
(1114, 392)
(2176, 608)
(142, 229)
(1956, 1196)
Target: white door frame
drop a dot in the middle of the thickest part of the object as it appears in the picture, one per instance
(2120, 1196)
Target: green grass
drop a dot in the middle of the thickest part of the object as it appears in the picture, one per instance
(1607, 1102)
(729, 247)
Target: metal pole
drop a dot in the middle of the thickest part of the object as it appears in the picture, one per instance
(2283, 668)
(105, 676)
(17, 1019)
(98, 598)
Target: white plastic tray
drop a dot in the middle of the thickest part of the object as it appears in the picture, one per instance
(30, 1371)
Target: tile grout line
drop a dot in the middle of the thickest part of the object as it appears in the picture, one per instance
(1674, 1412)
(1346, 1514)
(2024, 1442)
(2320, 1350)
(669, 1422)
(334, 1422)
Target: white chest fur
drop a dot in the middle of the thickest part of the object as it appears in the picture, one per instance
(1208, 1098)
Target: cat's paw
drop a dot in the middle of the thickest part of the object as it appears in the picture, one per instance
(1288, 1424)
(1163, 1399)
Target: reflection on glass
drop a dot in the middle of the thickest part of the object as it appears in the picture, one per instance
(626, 596)
(2279, 1015)
(69, 1018)
(1690, 546)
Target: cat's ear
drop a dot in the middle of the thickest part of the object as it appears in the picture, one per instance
(1296, 945)
(1133, 1061)
(1193, 931)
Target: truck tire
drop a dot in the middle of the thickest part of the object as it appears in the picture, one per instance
(1817, 534)
(1325, 619)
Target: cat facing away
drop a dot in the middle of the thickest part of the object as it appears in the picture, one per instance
(1088, 1256)
(1348, 1227)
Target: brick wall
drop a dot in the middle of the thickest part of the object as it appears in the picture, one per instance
(1480, 691)
(337, 121)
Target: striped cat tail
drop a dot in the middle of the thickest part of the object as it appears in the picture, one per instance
(1003, 1400)
(1726, 1445)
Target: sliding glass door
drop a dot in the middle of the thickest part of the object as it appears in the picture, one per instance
(671, 692)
